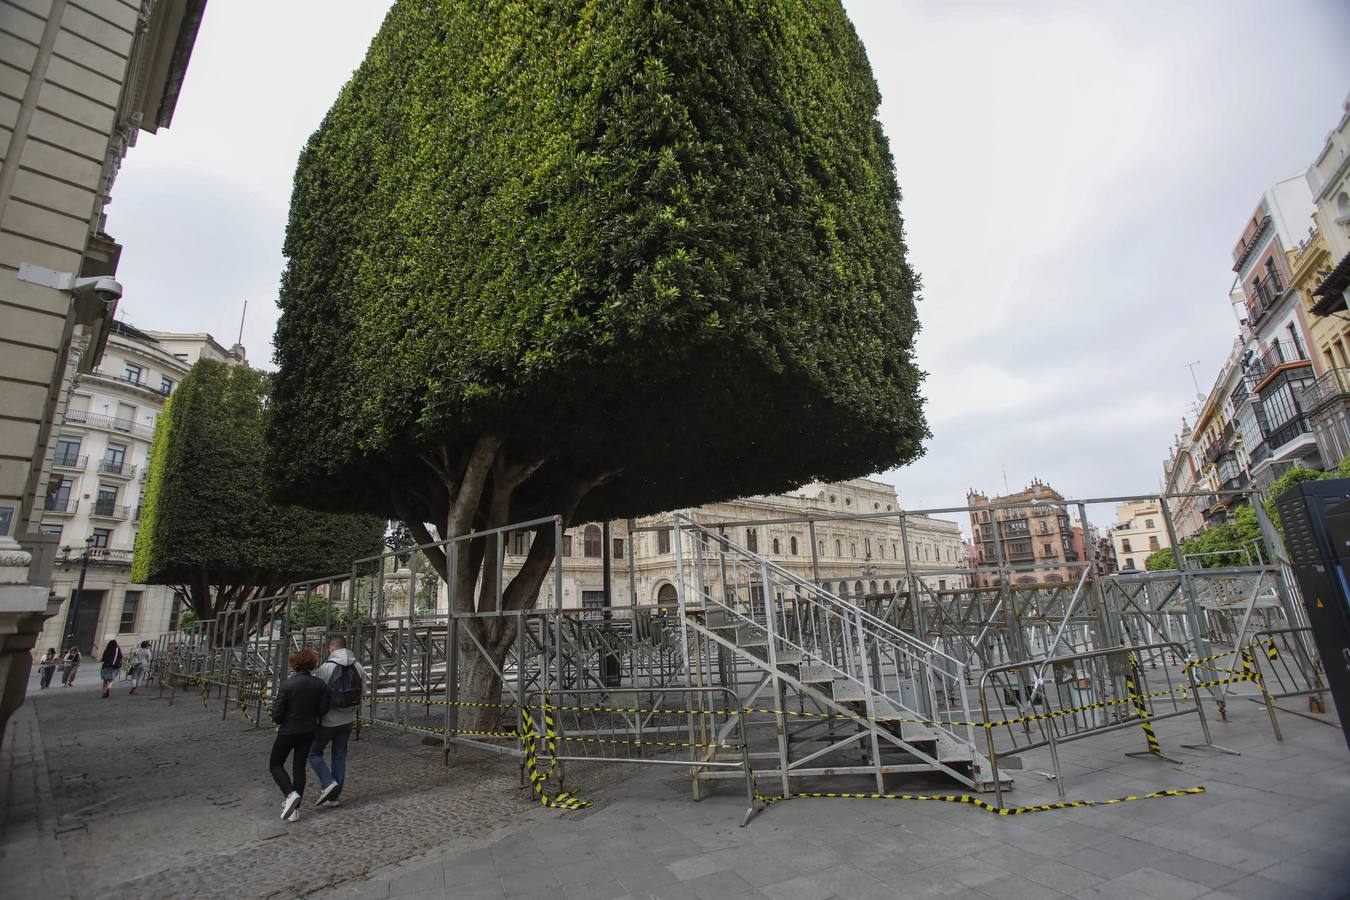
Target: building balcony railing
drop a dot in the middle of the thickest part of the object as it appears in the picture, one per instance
(106, 509)
(1332, 384)
(1221, 445)
(1280, 353)
(1262, 296)
(1278, 438)
(98, 556)
(98, 420)
(59, 505)
(134, 382)
(116, 467)
(70, 461)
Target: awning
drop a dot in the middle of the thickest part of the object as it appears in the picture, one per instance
(1331, 292)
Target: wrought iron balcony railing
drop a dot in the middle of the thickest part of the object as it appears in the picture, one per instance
(58, 504)
(109, 509)
(1329, 386)
(116, 467)
(112, 423)
(70, 461)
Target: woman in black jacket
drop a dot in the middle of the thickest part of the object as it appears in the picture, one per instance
(112, 666)
(301, 700)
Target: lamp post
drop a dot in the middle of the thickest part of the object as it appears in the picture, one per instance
(73, 618)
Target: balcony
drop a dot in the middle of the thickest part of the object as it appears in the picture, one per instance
(116, 467)
(97, 420)
(134, 382)
(70, 461)
(1262, 296)
(1222, 444)
(1330, 386)
(61, 506)
(98, 556)
(1278, 356)
(109, 509)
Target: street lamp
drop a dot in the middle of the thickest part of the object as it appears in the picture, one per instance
(73, 616)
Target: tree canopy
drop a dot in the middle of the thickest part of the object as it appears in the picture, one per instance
(207, 525)
(651, 257)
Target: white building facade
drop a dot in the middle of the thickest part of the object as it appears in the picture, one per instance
(93, 497)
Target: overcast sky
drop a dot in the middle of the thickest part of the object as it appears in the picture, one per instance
(1074, 177)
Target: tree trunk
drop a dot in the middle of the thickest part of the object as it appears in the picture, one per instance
(479, 683)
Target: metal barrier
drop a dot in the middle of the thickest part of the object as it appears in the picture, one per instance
(636, 725)
(1304, 678)
(1087, 694)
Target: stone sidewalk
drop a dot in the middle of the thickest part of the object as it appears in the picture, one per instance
(132, 797)
(1271, 824)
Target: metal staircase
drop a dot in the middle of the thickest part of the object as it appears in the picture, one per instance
(841, 691)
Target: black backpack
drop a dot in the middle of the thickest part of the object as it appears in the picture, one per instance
(344, 691)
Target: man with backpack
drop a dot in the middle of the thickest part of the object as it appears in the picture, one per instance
(346, 680)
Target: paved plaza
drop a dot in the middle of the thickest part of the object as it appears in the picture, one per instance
(130, 797)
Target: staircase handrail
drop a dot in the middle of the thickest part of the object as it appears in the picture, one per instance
(848, 608)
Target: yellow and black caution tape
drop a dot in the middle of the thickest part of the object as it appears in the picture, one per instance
(1140, 708)
(530, 740)
(969, 800)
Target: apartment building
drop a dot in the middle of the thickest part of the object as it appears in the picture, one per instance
(79, 80)
(92, 500)
(1028, 531)
(1140, 531)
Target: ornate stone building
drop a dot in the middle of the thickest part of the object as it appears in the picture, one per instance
(1028, 531)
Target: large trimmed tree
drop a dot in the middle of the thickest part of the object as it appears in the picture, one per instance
(592, 259)
(208, 527)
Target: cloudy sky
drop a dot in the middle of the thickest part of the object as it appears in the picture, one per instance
(1074, 176)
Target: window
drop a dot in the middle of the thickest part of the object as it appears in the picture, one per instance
(126, 417)
(520, 543)
(591, 541)
(1153, 543)
(593, 600)
(132, 372)
(618, 548)
(853, 550)
(776, 551)
(1125, 546)
(1129, 565)
(792, 546)
(567, 545)
(101, 537)
(895, 551)
(886, 586)
(942, 584)
(1045, 549)
(872, 587)
(165, 386)
(867, 547)
(1148, 523)
(53, 530)
(666, 596)
(176, 609)
(663, 541)
(67, 452)
(838, 547)
(751, 540)
(181, 357)
(114, 458)
(820, 548)
(1279, 406)
(131, 601)
(58, 494)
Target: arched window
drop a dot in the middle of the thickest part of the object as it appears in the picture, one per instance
(853, 550)
(792, 546)
(886, 586)
(872, 586)
(666, 595)
(867, 547)
(591, 541)
(751, 540)
(895, 551)
(858, 589)
(838, 547)
(776, 551)
(820, 548)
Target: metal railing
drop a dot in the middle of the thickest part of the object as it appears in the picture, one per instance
(1327, 387)
(112, 423)
(58, 504)
(110, 509)
(70, 461)
(116, 467)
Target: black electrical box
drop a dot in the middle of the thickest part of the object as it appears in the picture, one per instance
(1316, 516)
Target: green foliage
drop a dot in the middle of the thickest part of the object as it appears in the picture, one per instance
(207, 519)
(186, 620)
(1235, 543)
(1297, 475)
(656, 245)
(1160, 560)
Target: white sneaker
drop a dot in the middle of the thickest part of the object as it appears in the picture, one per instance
(290, 804)
(295, 816)
(330, 804)
(326, 793)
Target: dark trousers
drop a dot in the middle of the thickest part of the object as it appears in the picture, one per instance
(47, 675)
(337, 735)
(295, 746)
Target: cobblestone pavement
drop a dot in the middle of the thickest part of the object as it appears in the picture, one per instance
(129, 797)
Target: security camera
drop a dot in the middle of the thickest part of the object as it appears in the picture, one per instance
(105, 287)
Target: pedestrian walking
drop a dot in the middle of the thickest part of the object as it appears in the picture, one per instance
(47, 666)
(345, 679)
(301, 701)
(140, 665)
(70, 665)
(111, 666)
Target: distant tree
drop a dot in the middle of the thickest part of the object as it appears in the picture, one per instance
(594, 260)
(207, 525)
